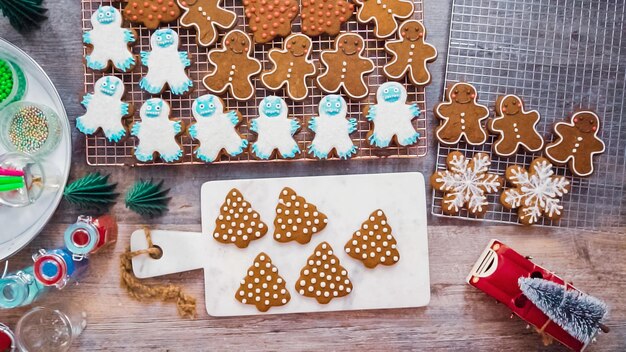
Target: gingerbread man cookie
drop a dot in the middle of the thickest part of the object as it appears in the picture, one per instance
(269, 19)
(292, 67)
(345, 66)
(410, 54)
(384, 13)
(514, 126)
(461, 116)
(577, 143)
(238, 222)
(263, 286)
(323, 277)
(324, 16)
(206, 16)
(234, 66)
(151, 13)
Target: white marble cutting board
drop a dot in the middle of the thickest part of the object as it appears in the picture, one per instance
(347, 201)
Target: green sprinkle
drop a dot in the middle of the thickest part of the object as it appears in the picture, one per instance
(6, 80)
(28, 131)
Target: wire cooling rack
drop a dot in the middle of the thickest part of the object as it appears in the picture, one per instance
(102, 152)
(559, 56)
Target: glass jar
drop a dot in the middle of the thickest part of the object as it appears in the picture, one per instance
(88, 234)
(19, 289)
(30, 128)
(36, 179)
(12, 82)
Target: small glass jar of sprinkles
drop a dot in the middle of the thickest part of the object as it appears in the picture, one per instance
(12, 82)
(29, 128)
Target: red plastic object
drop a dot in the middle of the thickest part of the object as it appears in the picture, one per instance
(496, 273)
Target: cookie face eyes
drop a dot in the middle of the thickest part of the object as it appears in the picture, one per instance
(108, 86)
(205, 106)
(237, 43)
(331, 105)
(164, 37)
(350, 44)
(412, 31)
(153, 107)
(272, 106)
(299, 46)
(391, 94)
(463, 94)
(586, 122)
(511, 106)
(106, 14)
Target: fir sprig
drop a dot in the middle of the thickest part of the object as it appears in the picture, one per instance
(147, 198)
(91, 191)
(23, 14)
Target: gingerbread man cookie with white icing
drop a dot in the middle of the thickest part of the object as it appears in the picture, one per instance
(234, 66)
(461, 116)
(384, 13)
(292, 67)
(514, 126)
(346, 67)
(206, 16)
(577, 143)
(410, 54)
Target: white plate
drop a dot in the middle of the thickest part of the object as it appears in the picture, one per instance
(21, 225)
(347, 201)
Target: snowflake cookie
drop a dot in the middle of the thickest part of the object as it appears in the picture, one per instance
(166, 65)
(465, 183)
(109, 41)
(391, 117)
(156, 132)
(105, 109)
(535, 192)
(274, 129)
(238, 223)
(263, 286)
(373, 243)
(323, 277)
(332, 129)
(215, 129)
(296, 219)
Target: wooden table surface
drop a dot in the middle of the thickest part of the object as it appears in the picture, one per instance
(458, 317)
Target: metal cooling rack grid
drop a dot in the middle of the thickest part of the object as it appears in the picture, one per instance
(101, 152)
(559, 56)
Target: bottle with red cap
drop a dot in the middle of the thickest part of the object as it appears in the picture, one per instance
(88, 234)
(57, 267)
(19, 289)
(7, 339)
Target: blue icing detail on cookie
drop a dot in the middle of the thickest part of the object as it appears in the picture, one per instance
(347, 154)
(410, 140)
(371, 113)
(352, 125)
(81, 127)
(116, 136)
(165, 37)
(86, 99)
(172, 157)
(135, 129)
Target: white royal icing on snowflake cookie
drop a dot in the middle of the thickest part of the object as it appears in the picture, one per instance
(215, 129)
(332, 129)
(391, 117)
(156, 133)
(166, 65)
(275, 130)
(109, 41)
(105, 109)
(465, 183)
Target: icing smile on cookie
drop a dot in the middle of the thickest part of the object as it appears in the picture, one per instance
(164, 37)
(272, 106)
(109, 86)
(463, 94)
(298, 49)
(106, 15)
(153, 107)
(412, 33)
(511, 106)
(391, 94)
(205, 106)
(350, 45)
(586, 123)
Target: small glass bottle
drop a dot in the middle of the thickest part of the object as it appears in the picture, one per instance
(12, 82)
(50, 329)
(57, 267)
(7, 339)
(89, 234)
(20, 289)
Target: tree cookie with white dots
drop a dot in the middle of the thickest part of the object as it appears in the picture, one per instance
(296, 219)
(323, 277)
(263, 286)
(374, 243)
(238, 223)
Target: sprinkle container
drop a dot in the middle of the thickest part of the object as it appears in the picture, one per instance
(29, 128)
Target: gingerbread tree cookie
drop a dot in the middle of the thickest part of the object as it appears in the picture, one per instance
(263, 286)
(324, 16)
(238, 223)
(461, 116)
(577, 143)
(373, 243)
(535, 192)
(206, 16)
(296, 219)
(323, 277)
(346, 67)
(292, 67)
(151, 13)
(384, 13)
(410, 54)
(234, 66)
(269, 19)
(465, 183)
(514, 126)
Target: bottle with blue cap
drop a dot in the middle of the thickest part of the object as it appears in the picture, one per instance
(58, 266)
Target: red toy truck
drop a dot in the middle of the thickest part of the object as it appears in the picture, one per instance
(496, 273)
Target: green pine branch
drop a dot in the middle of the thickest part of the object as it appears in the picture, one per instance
(147, 198)
(91, 191)
(23, 14)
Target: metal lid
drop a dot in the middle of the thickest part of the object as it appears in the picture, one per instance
(81, 237)
(50, 269)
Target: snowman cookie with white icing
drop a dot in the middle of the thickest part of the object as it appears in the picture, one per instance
(109, 42)
(156, 132)
(166, 65)
(215, 129)
(105, 109)
(332, 129)
(391, 117)
(274, 129)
